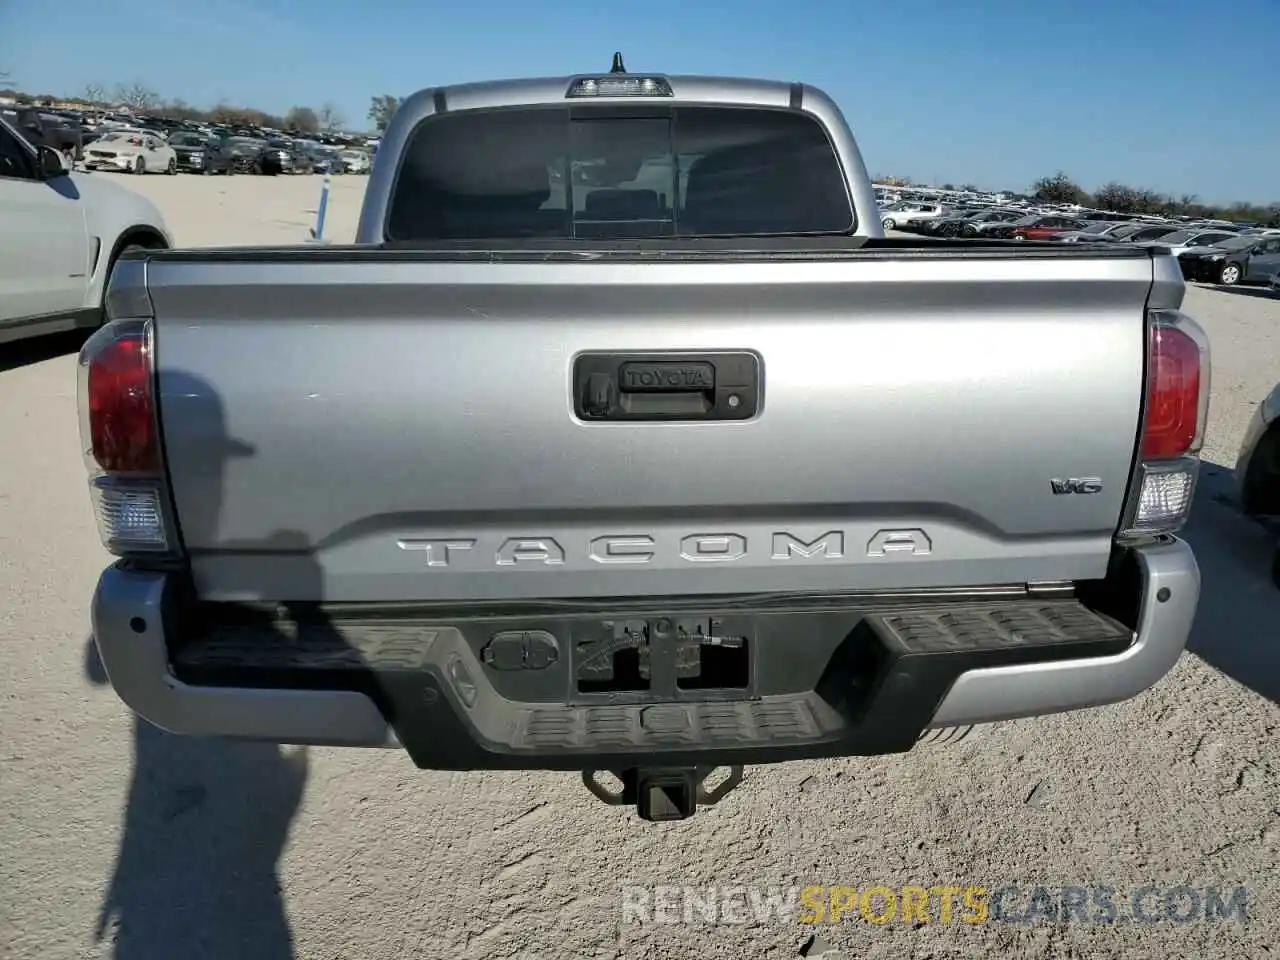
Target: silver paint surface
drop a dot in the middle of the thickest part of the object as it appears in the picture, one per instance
(318, 415)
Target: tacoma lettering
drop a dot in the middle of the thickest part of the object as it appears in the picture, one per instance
(638, 549)
(437, 551)
(635, 549)
(713, 547)
(786, 546)
(532, 550)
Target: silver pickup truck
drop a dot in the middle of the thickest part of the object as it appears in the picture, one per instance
(622, 441)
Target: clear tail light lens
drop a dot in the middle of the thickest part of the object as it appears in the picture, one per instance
(130, 516)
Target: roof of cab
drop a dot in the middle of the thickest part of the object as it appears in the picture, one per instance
(549, 90)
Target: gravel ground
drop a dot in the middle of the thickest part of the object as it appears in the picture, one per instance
(122, 841)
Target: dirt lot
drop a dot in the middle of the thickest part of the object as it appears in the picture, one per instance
(122, 841)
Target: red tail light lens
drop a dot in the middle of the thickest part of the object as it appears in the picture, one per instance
(1172, 425)
(121, 408)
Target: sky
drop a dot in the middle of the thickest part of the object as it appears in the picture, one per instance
(1162, 94)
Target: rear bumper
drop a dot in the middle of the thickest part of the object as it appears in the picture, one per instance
(451, 720)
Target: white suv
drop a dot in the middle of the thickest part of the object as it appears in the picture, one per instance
(60, 235)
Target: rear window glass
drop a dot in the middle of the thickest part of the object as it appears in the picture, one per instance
(601, 173)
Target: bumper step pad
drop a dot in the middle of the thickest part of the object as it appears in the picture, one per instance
(877, 674)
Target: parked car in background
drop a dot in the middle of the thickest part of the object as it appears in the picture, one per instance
(1142, 232)
(200, 153)
(932, 226)
(1180, 241)
(893, 219)
(1234, 260)
(324, 160)
(280, 157)
(1258, 465)
(50, 130)
(996, 228)
(923, 221)
(245, 153)
(1032, 222)
(301, 160)
(1098, 231)
(895, 213)
(1046, 228)
(355, 161)
(61, 234)
(969, 226)
(131, 152)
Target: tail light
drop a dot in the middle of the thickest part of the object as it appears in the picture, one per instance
(120, 439)
(1175, 412)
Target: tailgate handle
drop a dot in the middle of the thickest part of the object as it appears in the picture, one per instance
(638, 387)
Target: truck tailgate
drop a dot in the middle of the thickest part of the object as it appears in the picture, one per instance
(352, 427)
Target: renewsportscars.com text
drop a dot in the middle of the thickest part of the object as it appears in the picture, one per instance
(945, 904)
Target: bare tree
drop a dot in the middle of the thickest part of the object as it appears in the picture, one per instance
(330, 117)
(136, 95)
(94, 92)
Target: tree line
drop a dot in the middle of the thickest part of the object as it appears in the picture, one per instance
(140, 98)
(1122, 198)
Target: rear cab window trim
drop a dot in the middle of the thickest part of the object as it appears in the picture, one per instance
(800, 131)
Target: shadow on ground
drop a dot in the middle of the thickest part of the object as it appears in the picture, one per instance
(24, 353)
(1263, 293)
(205, 823)
(1237, 628)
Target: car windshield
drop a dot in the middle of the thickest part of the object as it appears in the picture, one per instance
(188, 140)
(1102, 227)
(1177, 236)
(1028, 221)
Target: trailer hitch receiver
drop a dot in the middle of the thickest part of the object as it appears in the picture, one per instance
(663, 793)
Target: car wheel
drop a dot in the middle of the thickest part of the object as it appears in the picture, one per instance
(172, 169)
(1229, 275)
(139, 165)
(889, 223)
